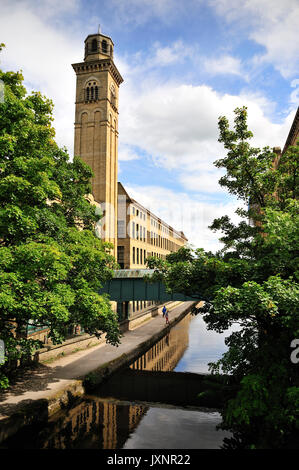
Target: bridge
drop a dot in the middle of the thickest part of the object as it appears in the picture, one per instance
(131, 284)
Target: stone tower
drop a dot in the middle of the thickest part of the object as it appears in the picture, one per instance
(96, 125)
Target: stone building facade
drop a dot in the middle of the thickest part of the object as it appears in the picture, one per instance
(96, 124)
(142, 234)
(135, 232)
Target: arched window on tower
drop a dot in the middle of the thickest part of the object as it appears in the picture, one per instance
(94, 45)
(104, 46)
(112, 95)
(91, 90)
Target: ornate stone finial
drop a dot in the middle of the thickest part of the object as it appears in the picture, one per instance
(99, 29)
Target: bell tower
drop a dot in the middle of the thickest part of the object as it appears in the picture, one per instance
(96, 125)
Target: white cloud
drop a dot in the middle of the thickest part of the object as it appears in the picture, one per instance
(137, 66)
(185, 212)
(164, 56)
(45, 55)
(203, 181)
(125, 153)
(52, 8)
(177, 125)
(272, 24)
(224, 65)
(139, 12)
(294, 98)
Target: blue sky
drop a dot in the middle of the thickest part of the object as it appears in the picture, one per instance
(184, 64)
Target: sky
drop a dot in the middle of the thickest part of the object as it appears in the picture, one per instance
(184, 64)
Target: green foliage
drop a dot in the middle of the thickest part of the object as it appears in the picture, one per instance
(51, 262)
(252, 281)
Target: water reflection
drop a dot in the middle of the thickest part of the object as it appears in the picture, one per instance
(204, 346)
(94, 423)
(164, 428)
(110, 424)
(166, 353)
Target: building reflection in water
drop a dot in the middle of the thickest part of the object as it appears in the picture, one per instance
(105, 423)
(167, 352)
(91, 424)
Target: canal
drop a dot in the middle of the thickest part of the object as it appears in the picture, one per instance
(115, 416)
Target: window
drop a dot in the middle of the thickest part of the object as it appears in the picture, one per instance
(144, 234)
(94, 45)
(133, 255)
(141, 256)
(91, 91)
(104, 46)
(121, 256)
(133, 229)
(121, 232)
(137, 231)
(144, 256)
(137, 261)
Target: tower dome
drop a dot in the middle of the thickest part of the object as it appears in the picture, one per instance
(98, 46)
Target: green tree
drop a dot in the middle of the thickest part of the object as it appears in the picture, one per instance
(252, 281)
(51, 262)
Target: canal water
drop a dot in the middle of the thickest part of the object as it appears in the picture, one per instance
(106, 422)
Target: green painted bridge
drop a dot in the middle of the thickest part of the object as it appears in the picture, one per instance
(130, 285)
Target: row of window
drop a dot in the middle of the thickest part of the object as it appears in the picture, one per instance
(138, 213)
(138, 232)
(164, 243)
(138, 255)
(156, 358)
(154, 223)
(159, 226)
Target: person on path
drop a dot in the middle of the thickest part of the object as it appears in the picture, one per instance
(166, 317)
(164, 310)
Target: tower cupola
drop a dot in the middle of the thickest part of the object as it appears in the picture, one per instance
(98, 46)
